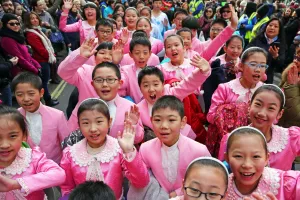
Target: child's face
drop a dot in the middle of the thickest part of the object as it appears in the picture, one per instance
(234, 49)
(103, 55)
(264, 110)
(174, 50)
(253, 75)
(104, 34)
(11, 137)
(139, 6)
(144, 26)
(215, 30)
(140, 54)
(247, 159)
(90, 13)
(28, 97)
(106, 91)
(131, 18)
(157, 5)
(94, 126)
(19, 10)
(167, 124)
(205, 179)
(152, 88)
(187, 39)
(120, 11)
(145, 13)
(119, 23)
(178, 20)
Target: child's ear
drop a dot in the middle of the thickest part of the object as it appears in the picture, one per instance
(240, 66)
(225, 49)
(279, 115)
(130, 54)
(120, 83)
(267, 159)
(92, 83)
(183, 121)
(42, 91)
(109, 122)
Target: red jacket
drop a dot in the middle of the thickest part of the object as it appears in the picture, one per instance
(40, 53)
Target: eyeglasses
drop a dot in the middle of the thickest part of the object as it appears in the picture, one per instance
(108, 80)
(14, 24)
(192, 192)
(226, 11)
(256, 65)
(105, 32)
(217, 30)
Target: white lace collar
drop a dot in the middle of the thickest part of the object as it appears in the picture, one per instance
(171, 68)
(280, 137)
(269, 182)
(237, 88)
(82, 158)
(20, 164)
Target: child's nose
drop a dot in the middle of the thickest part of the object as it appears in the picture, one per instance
(4, 144)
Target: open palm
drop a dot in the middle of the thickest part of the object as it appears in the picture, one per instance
(68, 4)
(87, 49)
(126, 139)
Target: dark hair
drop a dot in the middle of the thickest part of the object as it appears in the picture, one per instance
(252, 50)
(104, 45)
(93, 104)
(115, 16)
(245, 130)
(150, 70)
(113, 21)
(139, 33)
(145, 18)
(15, 115)
(91, 5)
(219, 21)
(141, 41)
(4, 1)
(91, 190)
(33, 3)
(156, 0)
(184, 30)
(269, 87)
(250, 8)
(180, 11)
(169, 101)
(140, 2)
(104, 22)
(27, 22)
(234, 37)
(27, 77)
(207, 163)
(173, 35)
(117, 8)
(146, 8)
(108, 65)
(110, 2)
(190, 22)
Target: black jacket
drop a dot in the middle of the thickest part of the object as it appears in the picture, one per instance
(291, 29)
(5, 67)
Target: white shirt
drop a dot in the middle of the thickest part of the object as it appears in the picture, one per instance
(138, 71)
(112, 109)
(150, 106)
(170, 160)
(35, 124)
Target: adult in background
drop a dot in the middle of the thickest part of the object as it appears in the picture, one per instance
(205, 21)
(287, 15)
(292, 27)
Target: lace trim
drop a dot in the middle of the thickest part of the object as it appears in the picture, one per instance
(237, 88)
(82, 158)
(270, 181)
(280, 137)
(20, 164)
(17, 194)
(171, 68)
(25, 188)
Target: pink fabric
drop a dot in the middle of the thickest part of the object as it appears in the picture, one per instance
(127, 60)
(113, 169)
(54, 131)
(196, 43)
(85, 30)
(156, 45)
(169, 32)
(151, 155)
(189, 54)
(284, 147)
(285, 185)
(74, 71)
(38, 174)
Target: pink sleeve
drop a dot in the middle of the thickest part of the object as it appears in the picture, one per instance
(65, 163)
(47, 174)
(294, 133)
(70, 69)
(139, 132)
(142, 154)
(63, 23)
(126, 46)
(217, 43)
(63, 129)
(222, 149)
(136, 171)
(291, 184)
(155, 61)
(189, 84)
(218, 98)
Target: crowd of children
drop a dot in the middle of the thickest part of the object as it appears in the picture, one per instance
(157, 113)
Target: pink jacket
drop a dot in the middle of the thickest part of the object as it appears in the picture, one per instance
(34, 172)
(156, 45)
(285, 185)
(169, 32)
(76, 162)
(284, 147)
(188, 151)
(230, 92)
(85, 30)
(54, 131)
(127, 60)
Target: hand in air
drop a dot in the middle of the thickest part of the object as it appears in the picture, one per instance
(126, 139)
(68, 4)
(200, 63)
(124, 35)
(133, 115)
(293, 77)
(117, 52)
(234, 17)
(87, 49)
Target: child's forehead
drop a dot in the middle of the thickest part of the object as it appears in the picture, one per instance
(150, 77)
(166, 111)
(105, 27)
(26, 86)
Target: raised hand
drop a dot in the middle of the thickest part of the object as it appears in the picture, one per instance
(200, 63)
(124, 35)
(234, 18)
(68, 4)
(117, 52)
(87, 49)
(256, 196)
(126, 139)
(7, 184)
(133, 115)
(293, 77)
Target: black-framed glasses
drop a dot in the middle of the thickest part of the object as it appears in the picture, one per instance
(107, 32)
(14, 24)
(100, 80)
(256, 65)
(226, 11)
(217, 30)
(192, 192)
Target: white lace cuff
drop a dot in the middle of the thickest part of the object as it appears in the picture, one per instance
(24, 187)
(129, 157)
